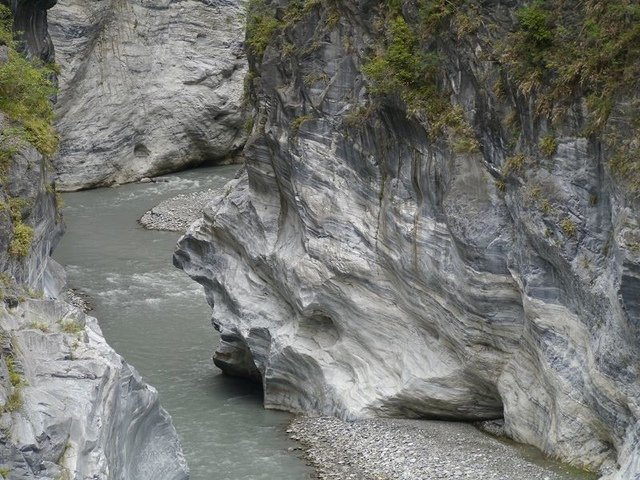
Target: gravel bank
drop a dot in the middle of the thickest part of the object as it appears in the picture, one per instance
(79, 300)
(177, 213)
(390, 449)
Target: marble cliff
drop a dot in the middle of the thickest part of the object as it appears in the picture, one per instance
(438, 218)
(146, 88)
(70, 407)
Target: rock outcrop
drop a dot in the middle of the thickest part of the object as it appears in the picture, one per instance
(30, 18)
(70, 407)
(429, 241)
(146, 87)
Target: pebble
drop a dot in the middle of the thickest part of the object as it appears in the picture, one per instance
(177, 213)
(395, 449)
(79, 300)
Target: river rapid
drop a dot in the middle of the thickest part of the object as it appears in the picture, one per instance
(157, 318)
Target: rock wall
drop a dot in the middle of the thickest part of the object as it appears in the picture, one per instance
(379, 259)
(27, 193)
(70, 407)
(146, 87)
(30, 18)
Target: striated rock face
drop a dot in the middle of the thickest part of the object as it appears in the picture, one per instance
(30, 18)
(70, 407)
(146, 87)
(28, 200)
(366, 265)
(80, 410)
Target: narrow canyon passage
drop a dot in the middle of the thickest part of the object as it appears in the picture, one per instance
(156, 317)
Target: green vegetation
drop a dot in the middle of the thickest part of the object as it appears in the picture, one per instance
(43, 327)
(625, 164)
(248, 126)
(297, 122)
(8, 149)
(14, 401)
(400, 66)
(4, 472)
(358, 117)
(14, 376)
(22, 234)
(590, 49)
(405, 63)
(5, 280)
(514, 164)
(548, 146)
(535, 192)
(21, 242)
(433, 13)
(315, 77)
(25, 91)
(569, 227)
(262, 25)
(17, 208)
(71, 326)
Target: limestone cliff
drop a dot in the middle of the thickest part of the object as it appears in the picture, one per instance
(439, 218)
(70, 407)
(146, 87)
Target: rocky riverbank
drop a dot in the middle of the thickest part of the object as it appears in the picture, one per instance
(385, 448)
(177, 213)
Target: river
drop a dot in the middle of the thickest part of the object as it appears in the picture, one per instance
(157, 319)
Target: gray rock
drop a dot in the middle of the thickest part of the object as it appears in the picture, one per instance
(146, 88)
(84, 412)
(70, 407)
(29, 185)
(177, 213)
(30, 19)
(365, 269)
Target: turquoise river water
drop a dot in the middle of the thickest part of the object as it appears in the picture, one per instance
(158, 319)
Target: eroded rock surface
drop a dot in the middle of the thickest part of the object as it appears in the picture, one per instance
(361, 267)
(72, 407)
(146, 87)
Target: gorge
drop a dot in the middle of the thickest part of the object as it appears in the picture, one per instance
(429, 226)
(71, 406)
(436, 218)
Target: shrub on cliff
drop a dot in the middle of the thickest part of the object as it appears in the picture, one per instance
(25, 91)
(261, 26)
(22, 238)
